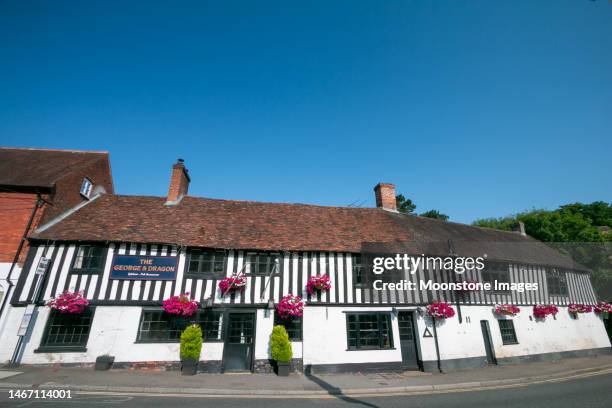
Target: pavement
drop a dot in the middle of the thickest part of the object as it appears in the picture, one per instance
(235, 385)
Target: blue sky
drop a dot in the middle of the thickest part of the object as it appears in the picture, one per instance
(475, 108)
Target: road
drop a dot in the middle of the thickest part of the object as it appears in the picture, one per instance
(594, 391)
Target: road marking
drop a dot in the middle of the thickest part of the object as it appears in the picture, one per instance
(361, 395)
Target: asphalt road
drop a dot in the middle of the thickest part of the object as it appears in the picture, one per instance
(594, 391)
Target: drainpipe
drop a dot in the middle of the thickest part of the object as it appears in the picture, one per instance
(437, 346)
(38, 204)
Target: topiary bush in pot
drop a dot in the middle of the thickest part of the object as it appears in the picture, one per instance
(281, 350)
(191, 347)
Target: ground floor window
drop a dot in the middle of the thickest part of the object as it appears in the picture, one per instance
(65, 331)
(369, 331)
(292, 325)
(507, 332)
(157, 326)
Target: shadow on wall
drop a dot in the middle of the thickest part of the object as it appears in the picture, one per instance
(337, 392)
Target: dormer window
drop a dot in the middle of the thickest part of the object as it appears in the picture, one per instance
(86, 188)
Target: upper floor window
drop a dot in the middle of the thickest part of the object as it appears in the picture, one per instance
(207, 263)
(358, 277)
(89, 259)
(496, 271)
(86, 188)
(556, 282)
(261, 263)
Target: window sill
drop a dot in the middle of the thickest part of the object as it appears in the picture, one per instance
(53, 349)
(204, 276)
(510, 344)
(371, 349)
(174, 341)
(85, 272)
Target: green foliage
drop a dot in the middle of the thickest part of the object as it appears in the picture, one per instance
(404, 205)
(191, 343)
(280, 345)
(435, 214)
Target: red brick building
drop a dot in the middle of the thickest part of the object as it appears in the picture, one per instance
(38, 186)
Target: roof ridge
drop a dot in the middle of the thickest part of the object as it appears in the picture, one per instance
(57, 150)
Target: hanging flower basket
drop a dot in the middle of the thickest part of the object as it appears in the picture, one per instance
(290, 306)
(232, 283)
(318, 283)
(180, 306)
(69, 302)
(541, 311)
(603, 308)
(506, 309)
(440, 310)
(575, 308)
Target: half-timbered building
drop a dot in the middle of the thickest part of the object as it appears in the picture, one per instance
(278, 247)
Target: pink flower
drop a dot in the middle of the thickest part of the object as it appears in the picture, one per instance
(235, 282)
(603, 307)
(180, 305)
(69, 302)
(440, 310)
(507, 309)
(541, 311)
(290, 306)
(318, 283)
(575, 308)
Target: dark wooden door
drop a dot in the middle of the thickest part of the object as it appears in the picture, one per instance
(239, 341)
(407, 332)
(486, 336)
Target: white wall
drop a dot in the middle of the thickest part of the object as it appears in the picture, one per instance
(534, 336)
(325, 339)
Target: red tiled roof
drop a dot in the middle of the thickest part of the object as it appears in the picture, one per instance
(212, 223)
(22, 167)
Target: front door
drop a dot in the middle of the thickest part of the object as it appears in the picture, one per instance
(410, 359)
(486, 336)
(239, 341)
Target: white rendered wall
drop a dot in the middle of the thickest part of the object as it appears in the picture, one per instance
(534, 336)
(325, 339)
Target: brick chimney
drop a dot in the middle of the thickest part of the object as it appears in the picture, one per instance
(385, 196)
(179, 183)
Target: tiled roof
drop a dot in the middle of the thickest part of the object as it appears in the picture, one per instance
(230, 224)
(41, 167)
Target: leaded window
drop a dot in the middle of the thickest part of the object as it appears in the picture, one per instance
(496, 271)
(89, 259)
(292, 325)
(358, 277)
(506, 327)
(66, 330)
(261, 263)
(207, 263)
(156, 326)
(369, 331)
(556, 282)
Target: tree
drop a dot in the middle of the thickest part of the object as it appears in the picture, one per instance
(404, 205)
(435, 214)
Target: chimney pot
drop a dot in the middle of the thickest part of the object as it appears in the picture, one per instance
(179, 183)
(385, 196)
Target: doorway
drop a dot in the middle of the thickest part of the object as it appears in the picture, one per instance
(239, 341)
(486, 336)
(407, 332)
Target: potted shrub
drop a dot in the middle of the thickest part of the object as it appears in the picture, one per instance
(104, 362)
(281, 350)
(191, 347)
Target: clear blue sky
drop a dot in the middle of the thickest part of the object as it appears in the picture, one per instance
(475, 108)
